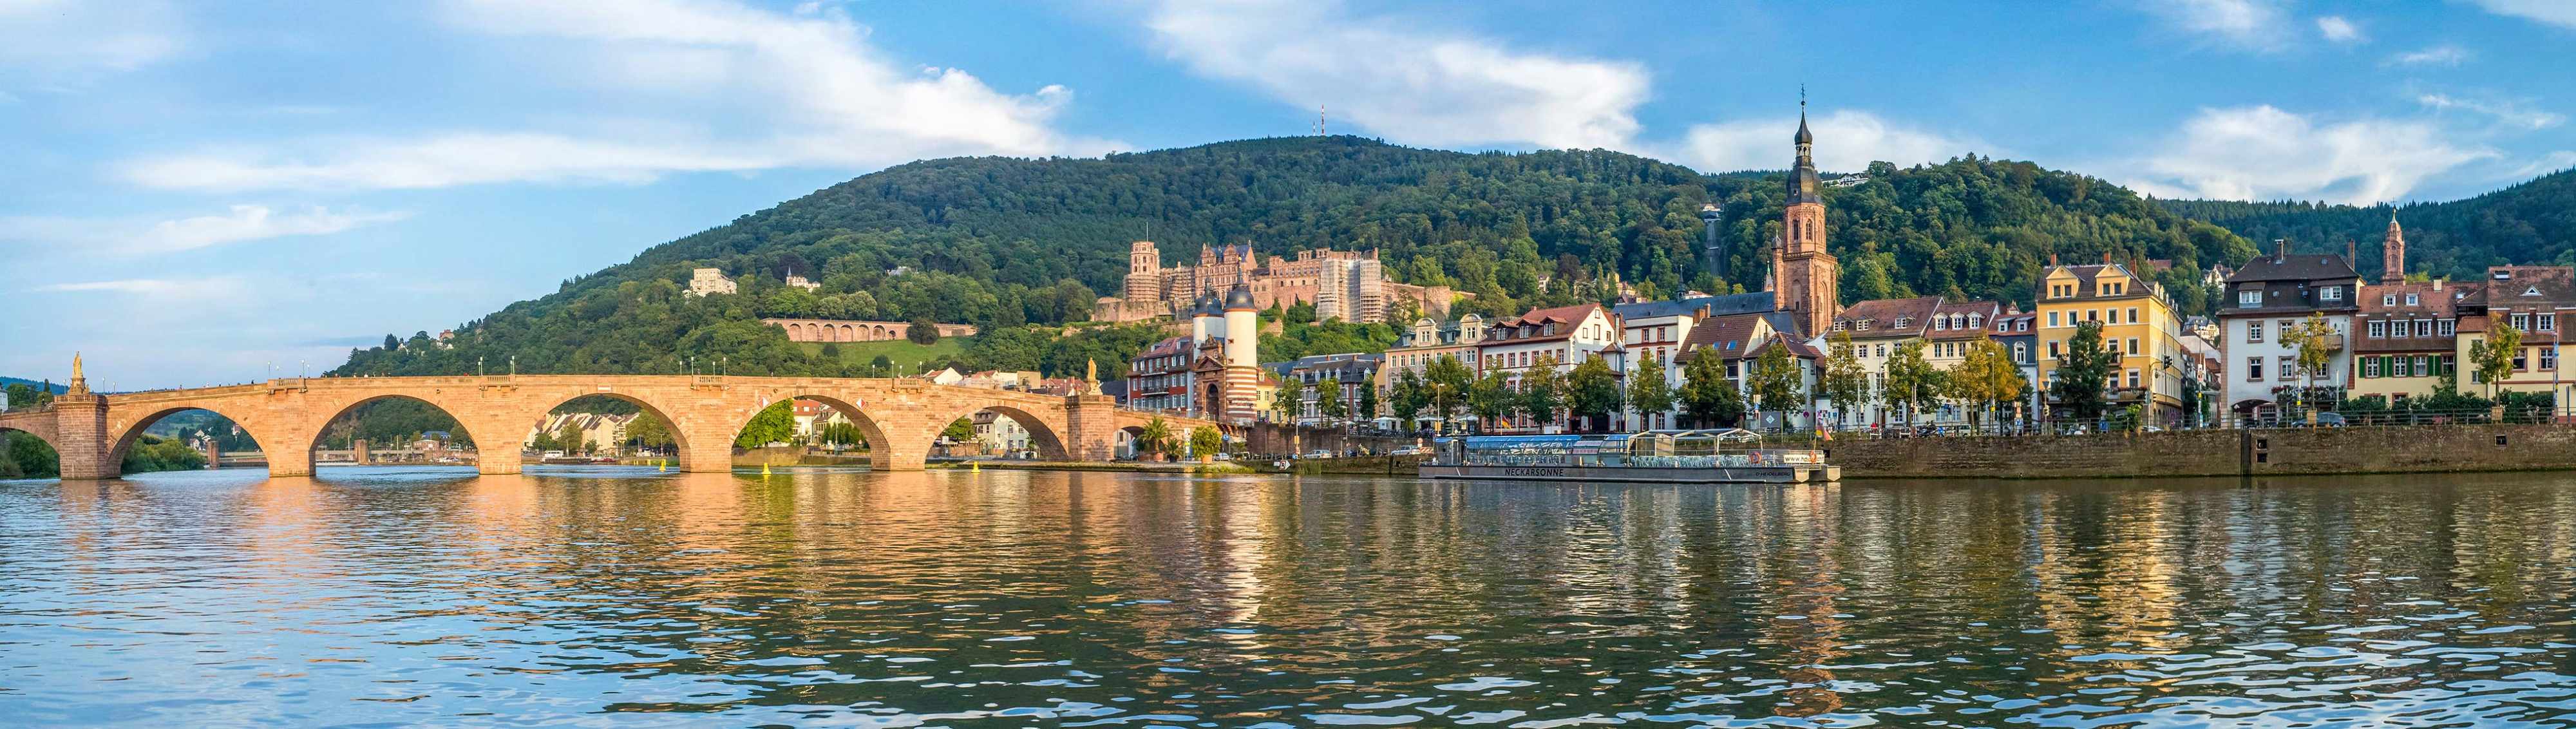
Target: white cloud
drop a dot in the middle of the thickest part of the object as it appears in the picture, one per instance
(2441, 55)
(2264, 153)
(2554, 12)
(816, 92)
(54, 36)
(159, 291)
(2338, 29)
(1846, 141)
(241, 223)
(1402, 80)
(2253, 24)
(2511, 113)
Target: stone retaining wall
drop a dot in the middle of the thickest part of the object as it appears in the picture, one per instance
(2215, 453)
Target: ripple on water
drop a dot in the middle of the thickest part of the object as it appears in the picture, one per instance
(597, 595)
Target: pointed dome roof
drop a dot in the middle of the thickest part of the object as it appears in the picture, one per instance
(1239, 297)
(1803, 136)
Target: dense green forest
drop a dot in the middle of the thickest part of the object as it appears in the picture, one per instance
(2530, 223)
(1018, 246)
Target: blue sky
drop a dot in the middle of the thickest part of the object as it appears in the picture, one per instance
(195, 192)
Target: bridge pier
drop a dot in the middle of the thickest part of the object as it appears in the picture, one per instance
(1091, 428)
(81, 439)
(288, 461)
(498, 462)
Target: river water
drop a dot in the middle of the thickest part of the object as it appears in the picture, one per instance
(623, 597)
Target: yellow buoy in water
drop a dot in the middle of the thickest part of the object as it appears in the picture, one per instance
(764, 469)
(974, 466)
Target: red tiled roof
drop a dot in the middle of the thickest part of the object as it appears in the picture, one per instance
(1880, 317)
(1984, 313)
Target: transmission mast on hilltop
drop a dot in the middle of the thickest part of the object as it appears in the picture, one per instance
(1319, 120)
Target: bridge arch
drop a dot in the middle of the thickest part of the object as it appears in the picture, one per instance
(44, 438)
(681, 455)
(879, 444)
(471, 432)
(1045, 436)
(127, 434)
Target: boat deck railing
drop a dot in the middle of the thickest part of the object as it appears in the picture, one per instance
(1731, 459)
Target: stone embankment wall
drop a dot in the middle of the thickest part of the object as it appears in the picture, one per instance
(1273, 438)
(2215, 453)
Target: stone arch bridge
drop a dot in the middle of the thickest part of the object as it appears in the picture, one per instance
(900, 416)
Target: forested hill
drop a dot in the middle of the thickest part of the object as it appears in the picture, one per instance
(1000, 242)
(2530, 223)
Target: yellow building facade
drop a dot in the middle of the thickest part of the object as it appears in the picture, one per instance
(2137, 321)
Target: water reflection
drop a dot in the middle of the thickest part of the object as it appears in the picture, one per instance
(622, 596)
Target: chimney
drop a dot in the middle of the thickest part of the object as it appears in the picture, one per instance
(2352, 254)
(2052, 259)
(2281, 249)
(2106, 258)
(2437, 284)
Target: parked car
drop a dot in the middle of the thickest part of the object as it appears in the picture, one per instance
(2330, 420)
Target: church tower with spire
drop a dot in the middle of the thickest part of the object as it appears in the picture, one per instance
(1804, 276)
(2392, 254)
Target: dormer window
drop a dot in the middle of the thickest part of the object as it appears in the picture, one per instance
(2249, 298)
(1940, 325)
(1976, 321)
(2391, 299)
(2332, 293)
(2532, 291)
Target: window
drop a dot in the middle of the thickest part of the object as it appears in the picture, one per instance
(2133, 346)
(2285, 326)
(2391, 299)
(2546, 322)
(2521, 359)
(2450, 327)
(2331, 293)
(2369, 367)
(2021, 352)
(2092, 315)
(2522, 322)
(2423, 327)
(2253, 369)
(2289, 368)
(2052, 349)
(2133, 315)
(2254, 331)
(2249, 298)
(2052, 319)
(2549, 358)
(2114, 315)
(1940, 324)
(2378, 329)
(2411, 300)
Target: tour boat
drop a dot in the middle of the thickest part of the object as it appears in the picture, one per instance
(1663, 456)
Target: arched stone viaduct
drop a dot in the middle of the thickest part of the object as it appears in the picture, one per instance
(900, 417)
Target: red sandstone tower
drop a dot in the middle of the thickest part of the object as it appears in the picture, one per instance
(1804, 276)
(2392, 252)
